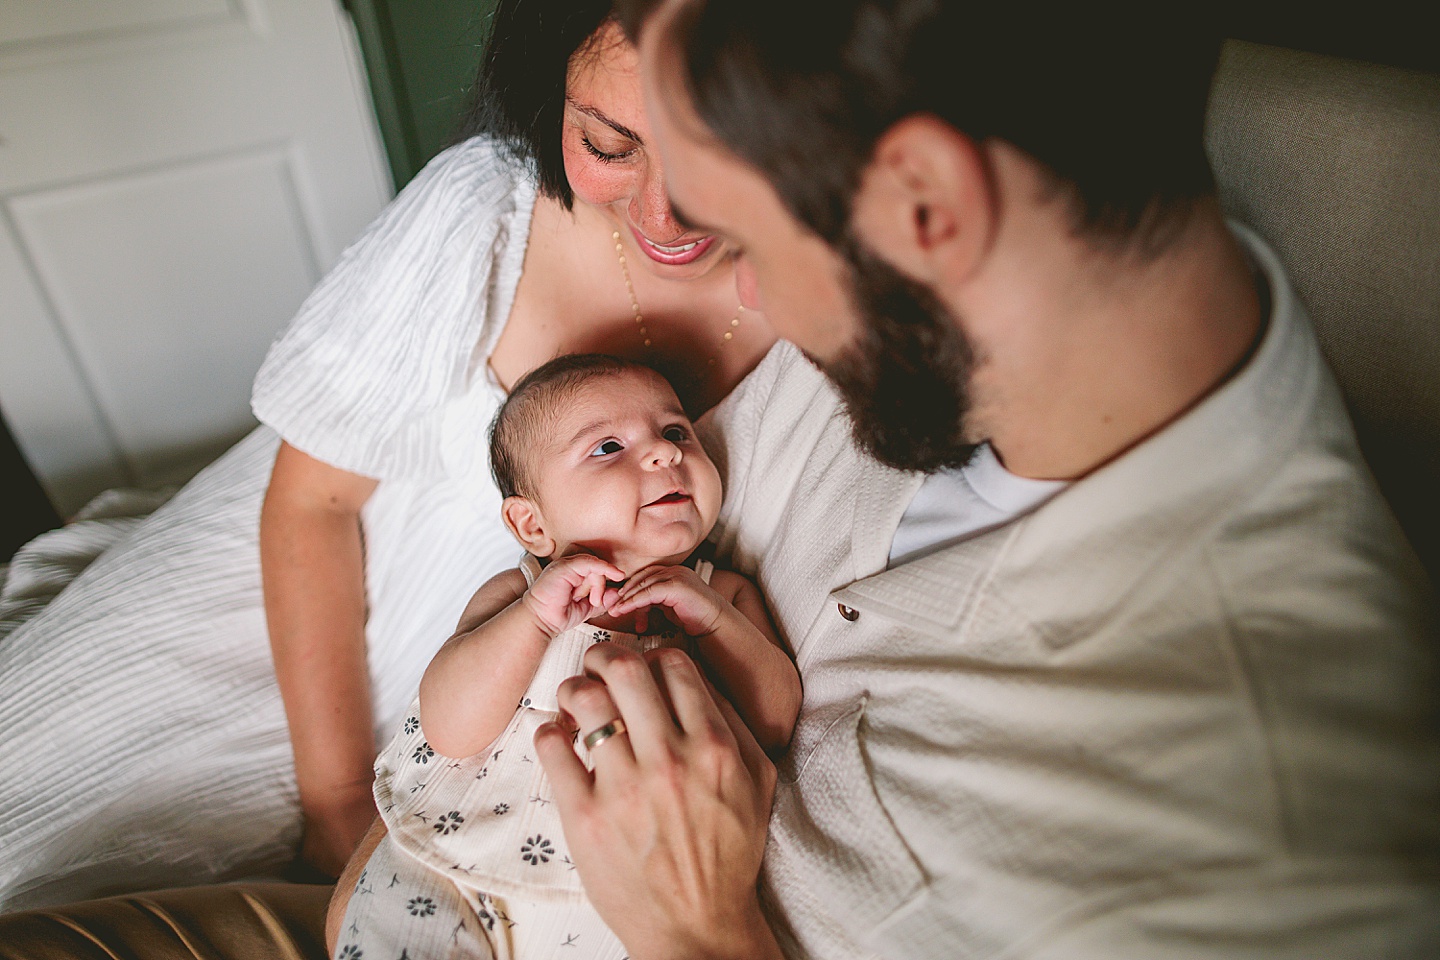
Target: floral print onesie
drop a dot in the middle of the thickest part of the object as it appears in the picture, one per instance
(474, 863)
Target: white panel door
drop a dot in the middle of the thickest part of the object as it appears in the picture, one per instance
(175, 175)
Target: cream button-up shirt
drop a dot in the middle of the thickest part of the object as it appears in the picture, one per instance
(1183, 709)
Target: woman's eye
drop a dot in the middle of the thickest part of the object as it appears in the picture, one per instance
(604, 156)
(606, 447)
(676, 434)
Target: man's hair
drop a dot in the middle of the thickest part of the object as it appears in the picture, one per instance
(532, 407)
(1111, 107)
(519, 96)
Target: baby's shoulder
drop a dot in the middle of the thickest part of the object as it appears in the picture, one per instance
(494, 595)
(506, 585)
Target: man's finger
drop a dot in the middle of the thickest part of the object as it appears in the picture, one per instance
(688, 693)
(637, 698)
(588, 701)
(572, 782)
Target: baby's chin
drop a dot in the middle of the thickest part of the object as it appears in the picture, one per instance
(632, 561)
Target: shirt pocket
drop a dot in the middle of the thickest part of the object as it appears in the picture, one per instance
(835, 865)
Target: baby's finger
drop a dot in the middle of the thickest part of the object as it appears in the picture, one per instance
(641, 582)
(588, 563)
(640, 576)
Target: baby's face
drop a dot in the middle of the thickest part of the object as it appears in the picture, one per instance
(621, 474)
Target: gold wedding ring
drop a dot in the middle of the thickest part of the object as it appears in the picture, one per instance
(599, 735)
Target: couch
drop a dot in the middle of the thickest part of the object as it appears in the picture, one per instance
(1336, 162)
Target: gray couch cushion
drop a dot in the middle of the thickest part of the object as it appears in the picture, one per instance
(1337, 163)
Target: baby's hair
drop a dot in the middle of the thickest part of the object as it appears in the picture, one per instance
(530, 407)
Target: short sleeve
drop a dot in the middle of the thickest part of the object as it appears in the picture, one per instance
(396, 330)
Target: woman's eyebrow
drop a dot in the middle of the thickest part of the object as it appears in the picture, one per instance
(619, 128)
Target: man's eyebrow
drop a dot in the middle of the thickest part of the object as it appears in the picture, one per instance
(618, 127)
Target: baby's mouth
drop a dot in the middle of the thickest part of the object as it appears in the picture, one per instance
(674, 496)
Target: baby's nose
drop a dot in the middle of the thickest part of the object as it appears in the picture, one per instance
(665, 454)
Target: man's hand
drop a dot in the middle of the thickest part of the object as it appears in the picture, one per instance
(668, 832)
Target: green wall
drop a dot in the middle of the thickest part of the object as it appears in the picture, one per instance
(421, 57)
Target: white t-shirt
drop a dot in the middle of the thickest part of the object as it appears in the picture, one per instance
(953, 505)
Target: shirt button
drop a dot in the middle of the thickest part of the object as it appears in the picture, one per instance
(849, 613)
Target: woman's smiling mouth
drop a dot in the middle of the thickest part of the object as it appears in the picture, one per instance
(675, 255)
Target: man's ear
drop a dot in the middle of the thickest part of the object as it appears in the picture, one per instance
(926, 203)
(522, 518)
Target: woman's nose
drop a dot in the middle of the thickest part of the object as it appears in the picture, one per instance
(650, 206)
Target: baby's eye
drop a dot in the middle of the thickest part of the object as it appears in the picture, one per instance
(676, 434)
(606, 447)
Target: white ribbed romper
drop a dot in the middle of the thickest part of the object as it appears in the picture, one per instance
(145, 741)
(474, 863)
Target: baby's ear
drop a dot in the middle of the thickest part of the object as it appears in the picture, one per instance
(522, 517)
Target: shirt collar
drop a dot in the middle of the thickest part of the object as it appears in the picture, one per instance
(1131, 513)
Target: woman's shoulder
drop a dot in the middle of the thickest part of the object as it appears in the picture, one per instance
(479, 169)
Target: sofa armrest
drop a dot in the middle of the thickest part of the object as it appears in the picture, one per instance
(237, 921)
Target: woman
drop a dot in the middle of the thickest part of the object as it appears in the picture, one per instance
(147, 743)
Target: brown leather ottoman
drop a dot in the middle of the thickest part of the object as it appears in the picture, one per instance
(241, 921)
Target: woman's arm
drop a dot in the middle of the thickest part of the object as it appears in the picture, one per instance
(312, 567)
(734, 638)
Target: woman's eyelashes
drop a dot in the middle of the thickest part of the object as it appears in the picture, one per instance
(602, 155)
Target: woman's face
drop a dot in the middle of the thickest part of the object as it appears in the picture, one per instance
(612, 165)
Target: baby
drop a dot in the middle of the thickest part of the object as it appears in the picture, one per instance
(605, 484)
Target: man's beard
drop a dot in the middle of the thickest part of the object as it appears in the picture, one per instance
(905, 378)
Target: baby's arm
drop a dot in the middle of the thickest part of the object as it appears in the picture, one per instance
(735, 640)
(470, 688)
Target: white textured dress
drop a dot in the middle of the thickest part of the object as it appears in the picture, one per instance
(145, 740)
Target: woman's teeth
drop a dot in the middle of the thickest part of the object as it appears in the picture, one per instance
(673, 250)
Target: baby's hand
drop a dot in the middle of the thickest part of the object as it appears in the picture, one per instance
(570, 591)
(693, 605)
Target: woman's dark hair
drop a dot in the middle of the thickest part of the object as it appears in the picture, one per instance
(519, 96)
(1111, 103)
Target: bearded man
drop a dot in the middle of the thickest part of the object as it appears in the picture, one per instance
(1110, 646)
